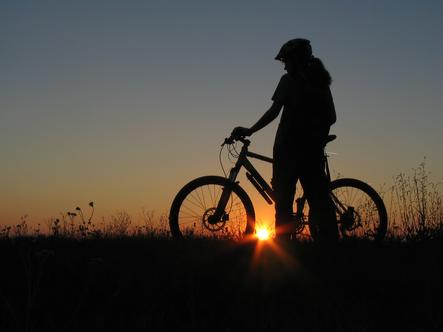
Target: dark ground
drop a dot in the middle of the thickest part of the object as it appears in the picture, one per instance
(136, 284)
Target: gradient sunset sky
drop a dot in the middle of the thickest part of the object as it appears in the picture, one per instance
(123, 102)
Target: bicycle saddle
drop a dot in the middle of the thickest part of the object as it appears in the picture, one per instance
(330, 138)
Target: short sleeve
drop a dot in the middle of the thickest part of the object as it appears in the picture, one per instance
(282, 92)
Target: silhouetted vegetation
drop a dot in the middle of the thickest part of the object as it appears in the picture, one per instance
(416, 209)
(144, 284)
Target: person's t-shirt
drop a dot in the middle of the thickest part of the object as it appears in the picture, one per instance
(308, 111)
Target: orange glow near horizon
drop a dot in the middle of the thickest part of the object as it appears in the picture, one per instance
(263, 234)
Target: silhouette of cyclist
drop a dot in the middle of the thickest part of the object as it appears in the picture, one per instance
(298, 153)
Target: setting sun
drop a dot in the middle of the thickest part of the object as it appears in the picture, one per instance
(263, 234)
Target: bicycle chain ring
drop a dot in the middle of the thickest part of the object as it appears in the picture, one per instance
(218, 225)
(298, 223)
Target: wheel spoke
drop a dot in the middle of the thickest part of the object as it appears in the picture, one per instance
(203, 196)
(195, 203)
(196, 199)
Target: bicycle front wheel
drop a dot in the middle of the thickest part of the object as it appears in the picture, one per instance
(361, 212)
(195, 204)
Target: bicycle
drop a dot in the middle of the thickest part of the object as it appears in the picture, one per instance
(216, 206)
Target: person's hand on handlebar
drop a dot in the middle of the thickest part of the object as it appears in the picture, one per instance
(241, 132)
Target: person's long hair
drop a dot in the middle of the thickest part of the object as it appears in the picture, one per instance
(315, 73)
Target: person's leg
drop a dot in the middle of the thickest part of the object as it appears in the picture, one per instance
(284, 180)
(316, 188)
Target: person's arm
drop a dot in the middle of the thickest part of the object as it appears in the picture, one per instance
(266, 119)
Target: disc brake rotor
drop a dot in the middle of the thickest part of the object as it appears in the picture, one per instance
(211, 225)
(350, 220)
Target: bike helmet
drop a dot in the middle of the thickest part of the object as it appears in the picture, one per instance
(298, 48)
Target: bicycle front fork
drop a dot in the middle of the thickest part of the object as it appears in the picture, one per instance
(220, 211)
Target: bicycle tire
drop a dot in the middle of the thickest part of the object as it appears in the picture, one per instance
(202, 195)
(368, 218)
(371, 217)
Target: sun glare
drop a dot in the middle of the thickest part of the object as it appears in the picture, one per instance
(262, 234)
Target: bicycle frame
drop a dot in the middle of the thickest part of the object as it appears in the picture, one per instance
(252, 174)
(257, 181)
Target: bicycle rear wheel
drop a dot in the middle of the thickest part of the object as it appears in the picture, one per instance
(361, 212)
(196, 202)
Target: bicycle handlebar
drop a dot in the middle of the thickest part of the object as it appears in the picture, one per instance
(232, 139)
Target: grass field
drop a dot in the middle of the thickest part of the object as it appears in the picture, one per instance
(155, 283)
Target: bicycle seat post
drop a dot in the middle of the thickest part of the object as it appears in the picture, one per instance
(328, 173)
